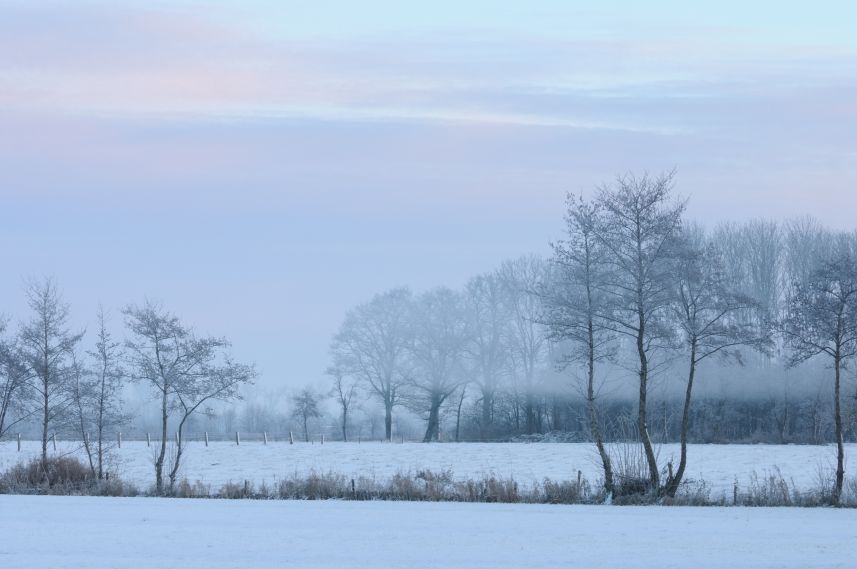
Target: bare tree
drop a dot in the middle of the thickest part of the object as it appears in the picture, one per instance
(48, 347)
(98, 396)
(707, 312)
(527, 343)
(822, 320)
(638, 221)
(185, 372)
(372, 345)
(574, 303)
(440, 336)
(488, 320)
(344, 390)
(305, 408)
(13, 376)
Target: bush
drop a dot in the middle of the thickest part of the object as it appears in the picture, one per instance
(61, 476)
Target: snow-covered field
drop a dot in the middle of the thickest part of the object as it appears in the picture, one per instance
(118, 533)
(718, 465)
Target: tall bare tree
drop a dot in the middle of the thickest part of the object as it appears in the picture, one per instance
(440, 336)
(48, 348)
(639, 219)
(185, 371)
(708, 313)
(527, 343)
(574, 304)
(822, 320)
(488, 320)
(372, 345)
(98, 396)
(344, 390)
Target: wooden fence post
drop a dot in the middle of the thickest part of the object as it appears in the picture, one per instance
(265, 435)
(119, 438)
(579, 477)
(206, 438)
(19, 442)
(291, 438)
(735, 493)
(148, 440)
(237, 439)
(322, 439)
(54, 439)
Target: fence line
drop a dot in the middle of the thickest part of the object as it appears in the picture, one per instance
(204, 437)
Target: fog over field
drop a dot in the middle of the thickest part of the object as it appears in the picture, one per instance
(530, 259)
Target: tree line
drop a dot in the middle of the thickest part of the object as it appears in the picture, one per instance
(636, 290)
(48, 379)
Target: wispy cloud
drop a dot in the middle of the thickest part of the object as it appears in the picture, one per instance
(168, 61)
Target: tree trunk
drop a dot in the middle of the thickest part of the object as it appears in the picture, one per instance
(594, 424)
(840, 448)
(529, 411)
(388, 421)
(487, 413)
(101, 428)
(159, 463)
(433, 428)
(673, 483)
(458, 416)
(642, 420)
(174, 471)
(345, 424)
(45, 419)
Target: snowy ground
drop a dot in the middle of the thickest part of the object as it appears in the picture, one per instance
(718, 465)
(120, 533)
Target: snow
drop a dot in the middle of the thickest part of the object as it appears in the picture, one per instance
(718, 465)
(118, 533)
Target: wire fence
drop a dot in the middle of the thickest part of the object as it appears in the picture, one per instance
(204, 437)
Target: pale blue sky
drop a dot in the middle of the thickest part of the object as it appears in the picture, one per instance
(262, 166)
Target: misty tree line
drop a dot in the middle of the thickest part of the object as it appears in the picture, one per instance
(634, 301)
(48, 380)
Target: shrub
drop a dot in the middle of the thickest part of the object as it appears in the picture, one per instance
(62, 476)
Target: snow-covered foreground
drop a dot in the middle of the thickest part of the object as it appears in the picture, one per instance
(718, 465)
(75, 532)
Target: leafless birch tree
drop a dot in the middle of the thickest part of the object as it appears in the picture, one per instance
(574, 303)
(639, 219)
(822, 320)
(708, 314)
(48, 347)
(185, 371)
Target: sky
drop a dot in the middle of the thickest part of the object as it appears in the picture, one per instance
(261, 166)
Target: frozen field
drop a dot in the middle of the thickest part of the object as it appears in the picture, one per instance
(121, 533)
(718, 465)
